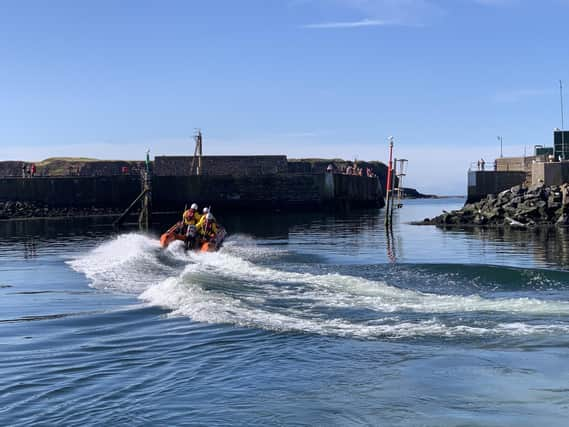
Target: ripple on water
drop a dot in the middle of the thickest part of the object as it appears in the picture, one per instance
(311, 327)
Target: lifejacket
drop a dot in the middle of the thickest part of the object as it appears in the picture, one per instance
(191, 217)
(207, 229)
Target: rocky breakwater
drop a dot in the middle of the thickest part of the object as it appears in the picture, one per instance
(16, 209)
(518, 207)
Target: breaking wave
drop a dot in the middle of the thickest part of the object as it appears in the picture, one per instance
(233, 286)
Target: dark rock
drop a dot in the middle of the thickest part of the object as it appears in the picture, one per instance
(524, 208)
(563, 220)
(480, 220)
(517, 190)
(530, 196)
(504, 196)
(536, 189)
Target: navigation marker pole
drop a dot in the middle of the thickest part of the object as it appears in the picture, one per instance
(399, 172)
(562, 125)
(392, 191)
(388, 201)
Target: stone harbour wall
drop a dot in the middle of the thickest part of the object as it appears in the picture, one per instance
(482, 183)
(274, 192)
(221, 165)
(102, 195)
(550, 173)
(55, 167)
(79, 192)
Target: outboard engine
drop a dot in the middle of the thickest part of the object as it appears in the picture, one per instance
(191, 235)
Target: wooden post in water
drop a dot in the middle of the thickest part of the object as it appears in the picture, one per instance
(145, 197)
(144, 219)
(197, 155)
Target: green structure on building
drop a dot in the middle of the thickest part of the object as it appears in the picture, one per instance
(561, 144)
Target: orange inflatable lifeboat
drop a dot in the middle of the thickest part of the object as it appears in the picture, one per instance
(174, 234)
(171, 235)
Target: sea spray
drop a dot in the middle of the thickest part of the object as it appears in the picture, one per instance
(229, 287)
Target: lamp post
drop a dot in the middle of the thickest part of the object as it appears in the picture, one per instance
(500, 139)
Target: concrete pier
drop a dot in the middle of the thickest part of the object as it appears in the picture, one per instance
(171, 193)
(483, 183)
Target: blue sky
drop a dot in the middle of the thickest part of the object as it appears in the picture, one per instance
(306, 78)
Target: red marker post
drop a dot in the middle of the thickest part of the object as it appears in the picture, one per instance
(388, 186)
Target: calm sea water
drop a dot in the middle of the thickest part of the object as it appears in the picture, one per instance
(299, 320)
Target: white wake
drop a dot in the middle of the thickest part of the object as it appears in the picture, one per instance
(230, 287)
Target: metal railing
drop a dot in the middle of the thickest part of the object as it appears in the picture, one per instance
(486, 166)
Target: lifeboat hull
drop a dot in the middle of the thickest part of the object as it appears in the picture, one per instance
(208, 247)
(171, 236)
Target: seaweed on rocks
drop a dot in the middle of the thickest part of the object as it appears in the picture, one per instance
(12, 209)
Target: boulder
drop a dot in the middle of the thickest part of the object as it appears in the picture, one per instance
(517, 190)
(563, 220)
(537, 188)
(504, 196)
(480, 220)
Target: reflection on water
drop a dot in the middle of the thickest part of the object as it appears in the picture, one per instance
(358, 234)
(52, 227)
(548, 246)
(391, 245)
(30, 248)
(317, 319)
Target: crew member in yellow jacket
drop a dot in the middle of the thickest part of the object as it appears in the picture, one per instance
(191, 216)
(207, 227)
(190, 219)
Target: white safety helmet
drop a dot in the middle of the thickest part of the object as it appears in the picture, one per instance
(205, 210)
(194, 206)
(210, 217)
